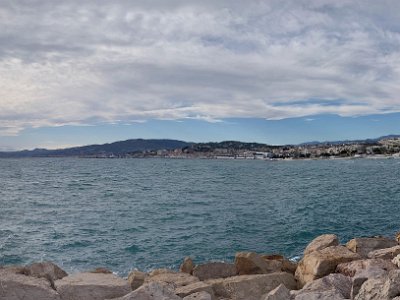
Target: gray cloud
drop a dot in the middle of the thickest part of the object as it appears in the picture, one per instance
(79, 62)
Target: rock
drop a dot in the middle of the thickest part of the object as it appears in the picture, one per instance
(14, 286)
(160, 271)
(175, 279)
(187, 290)
(46, 270)
(279, 293)
(396, 260)
(199, 296)
(320, 263)
(391, 287)
(321, 242)
(361, 276)
(151, 291)
(397, 237)
(187, 266)
(337, 282)
(285, 264)
(386, 253)
(250, 287)
(371, 290)
(91, 286)
(351, 268)
(136, 279)
(251, 263)
(363, 246)
(214, 270)
(101, 270)
(320, 295)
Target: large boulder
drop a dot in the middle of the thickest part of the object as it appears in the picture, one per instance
(322, 242)
(279, 293)
(248, 263)
(199, 296)
(386, 253)
(136, 279)
(46, 270)
(214, 270)
(337, 282)
(16, 286)
(320, 263)
(356, 266)
(363, 246)
(92, 286)
(250, 287)
(187, 265)
(151, 291)
(371, 290)
(200, 286)
(172, 278)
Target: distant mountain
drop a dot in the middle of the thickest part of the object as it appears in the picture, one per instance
(365, 141)
(116, 148)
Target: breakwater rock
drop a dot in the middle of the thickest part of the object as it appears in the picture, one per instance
(362, 269)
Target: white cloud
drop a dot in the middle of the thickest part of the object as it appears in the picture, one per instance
(99, 61)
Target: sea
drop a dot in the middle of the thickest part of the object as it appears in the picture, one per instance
(125, 214)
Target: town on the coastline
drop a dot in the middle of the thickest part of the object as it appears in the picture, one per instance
(386, 147)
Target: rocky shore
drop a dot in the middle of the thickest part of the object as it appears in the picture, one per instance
(362, 269)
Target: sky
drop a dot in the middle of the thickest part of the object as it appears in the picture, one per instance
(278, 72)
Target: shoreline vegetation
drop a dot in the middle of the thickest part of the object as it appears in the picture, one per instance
(362, 269)
(384, 147)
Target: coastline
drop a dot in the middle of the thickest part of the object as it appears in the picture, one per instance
(327, 270)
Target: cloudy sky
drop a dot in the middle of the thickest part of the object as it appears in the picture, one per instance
(75, 72)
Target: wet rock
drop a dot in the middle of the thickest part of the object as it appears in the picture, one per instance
(194, 288)
(320, 263)
(279, 293)
(151, 291)
(322, 242)
(386, 253)
(248, 263)
(136, 279)
(91, 286)
(187, 266)
(15, 286)
(363, 246)
(250, 287)
(214, 270)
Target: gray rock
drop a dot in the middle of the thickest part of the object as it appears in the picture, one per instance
(337, 282)
(320, 295)
(47, 270)
(371, 290)
(322, 242)
(279, 293)
(15, 286)
(361, 276)
(351, 268)
(363, 246)
(386, 253)
(151, 291)
(92, 286)
(199, 296)
(214, 270)
(250, 287)
(200, 286)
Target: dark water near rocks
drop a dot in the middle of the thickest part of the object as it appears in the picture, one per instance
(147, 213)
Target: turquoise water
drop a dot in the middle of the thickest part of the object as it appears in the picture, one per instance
(148, 213)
